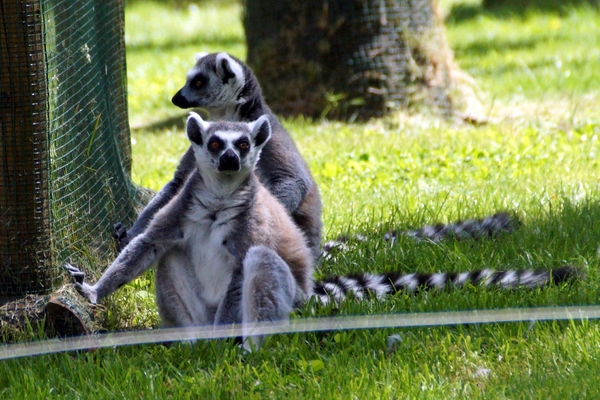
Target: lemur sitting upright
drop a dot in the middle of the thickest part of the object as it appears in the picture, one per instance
(227, 251)
(228, 89)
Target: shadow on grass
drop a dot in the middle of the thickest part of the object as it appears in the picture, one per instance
(567, 234)
(502, 46)
(181, 3)
(178, 43)
(573, 230)
(511, 8)
(175, 122)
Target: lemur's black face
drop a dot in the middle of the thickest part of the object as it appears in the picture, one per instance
(229, 153)
(227, 148)
(215, 82)
(193, 92)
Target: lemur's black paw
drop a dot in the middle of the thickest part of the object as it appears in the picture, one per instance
(120, 235)
(77, 274)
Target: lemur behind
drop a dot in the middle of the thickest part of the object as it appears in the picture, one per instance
(226, 250)
(228, 89)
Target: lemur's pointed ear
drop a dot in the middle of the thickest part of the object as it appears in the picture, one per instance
(200, 56)
(196, 128)
(261, 131)
(228, 68)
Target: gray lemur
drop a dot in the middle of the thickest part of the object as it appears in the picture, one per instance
(228, 89)
(226, 250)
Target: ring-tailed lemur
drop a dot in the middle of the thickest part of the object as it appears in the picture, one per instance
(228, 89)
(225, 248)
(227, 251)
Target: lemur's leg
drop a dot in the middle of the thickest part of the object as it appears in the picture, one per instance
(268, 291)
(186, 166)
(178, 303)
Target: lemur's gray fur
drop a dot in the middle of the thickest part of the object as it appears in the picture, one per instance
(226, 251)
(228, 89)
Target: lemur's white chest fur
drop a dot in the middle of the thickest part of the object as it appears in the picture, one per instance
(205, 234)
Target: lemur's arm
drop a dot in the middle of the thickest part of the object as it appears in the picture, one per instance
(165, 231)
(124, 236)
(289, 190)
(135, 258)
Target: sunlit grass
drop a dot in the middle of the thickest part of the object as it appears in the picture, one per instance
(530, 57)
(538, 157)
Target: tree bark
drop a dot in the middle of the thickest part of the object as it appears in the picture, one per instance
(24, 222)
(349, 58)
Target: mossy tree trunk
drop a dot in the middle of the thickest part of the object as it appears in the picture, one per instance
(349, 58)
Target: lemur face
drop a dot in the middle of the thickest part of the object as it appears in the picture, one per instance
(227, 147)
(216, 81)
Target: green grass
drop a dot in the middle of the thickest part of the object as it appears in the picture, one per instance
(538, 156)
(550, 360)
(544, 55)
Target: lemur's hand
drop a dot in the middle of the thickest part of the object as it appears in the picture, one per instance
(83, 288)
(120, 236)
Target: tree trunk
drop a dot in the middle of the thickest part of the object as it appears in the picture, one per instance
(348, 58)
(24, 222)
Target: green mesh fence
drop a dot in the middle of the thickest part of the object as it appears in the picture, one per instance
(64, 139)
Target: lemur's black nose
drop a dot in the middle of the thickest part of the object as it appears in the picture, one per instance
(180, 101)
(229, 161)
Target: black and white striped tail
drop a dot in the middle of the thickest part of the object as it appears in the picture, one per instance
(501, 222)
(467, 229)
(378, 285)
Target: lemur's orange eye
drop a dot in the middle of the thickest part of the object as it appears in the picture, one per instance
(214, 145)
(244, 146)
(198, 83)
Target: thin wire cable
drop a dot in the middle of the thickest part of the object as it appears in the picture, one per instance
(412, 320)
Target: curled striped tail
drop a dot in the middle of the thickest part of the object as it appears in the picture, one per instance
(501, 222)
(366, 285)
